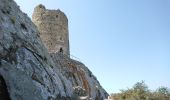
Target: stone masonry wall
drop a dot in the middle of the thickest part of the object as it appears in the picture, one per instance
(53, 28)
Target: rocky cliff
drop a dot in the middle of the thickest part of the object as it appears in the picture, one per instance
(29, 72)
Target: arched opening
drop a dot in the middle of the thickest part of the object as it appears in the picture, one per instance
(4, 95)
(61, 50)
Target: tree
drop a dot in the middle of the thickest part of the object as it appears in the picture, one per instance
(164, 90)
(140, 91)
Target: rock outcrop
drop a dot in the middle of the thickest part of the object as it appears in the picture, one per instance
(29, 72)
(84, 83)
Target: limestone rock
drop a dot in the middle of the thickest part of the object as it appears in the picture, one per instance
(27, 70)
(84, 82)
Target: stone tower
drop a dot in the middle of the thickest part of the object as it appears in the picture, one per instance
(53, 28)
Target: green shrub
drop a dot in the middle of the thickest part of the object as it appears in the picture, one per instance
(140, 91)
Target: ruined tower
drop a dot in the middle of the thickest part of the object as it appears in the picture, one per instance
(53, 28)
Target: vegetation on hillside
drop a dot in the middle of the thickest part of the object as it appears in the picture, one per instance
(140, 91)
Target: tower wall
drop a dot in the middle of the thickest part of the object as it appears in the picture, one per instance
(53, 28)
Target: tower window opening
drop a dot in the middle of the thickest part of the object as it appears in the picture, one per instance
(61, 50)
(61, 38)
(56, 16)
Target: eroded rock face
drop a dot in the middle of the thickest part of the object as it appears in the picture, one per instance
(83, 81)
(29, 73)
(26, 66)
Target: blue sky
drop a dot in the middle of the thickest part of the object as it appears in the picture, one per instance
(121, 41)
